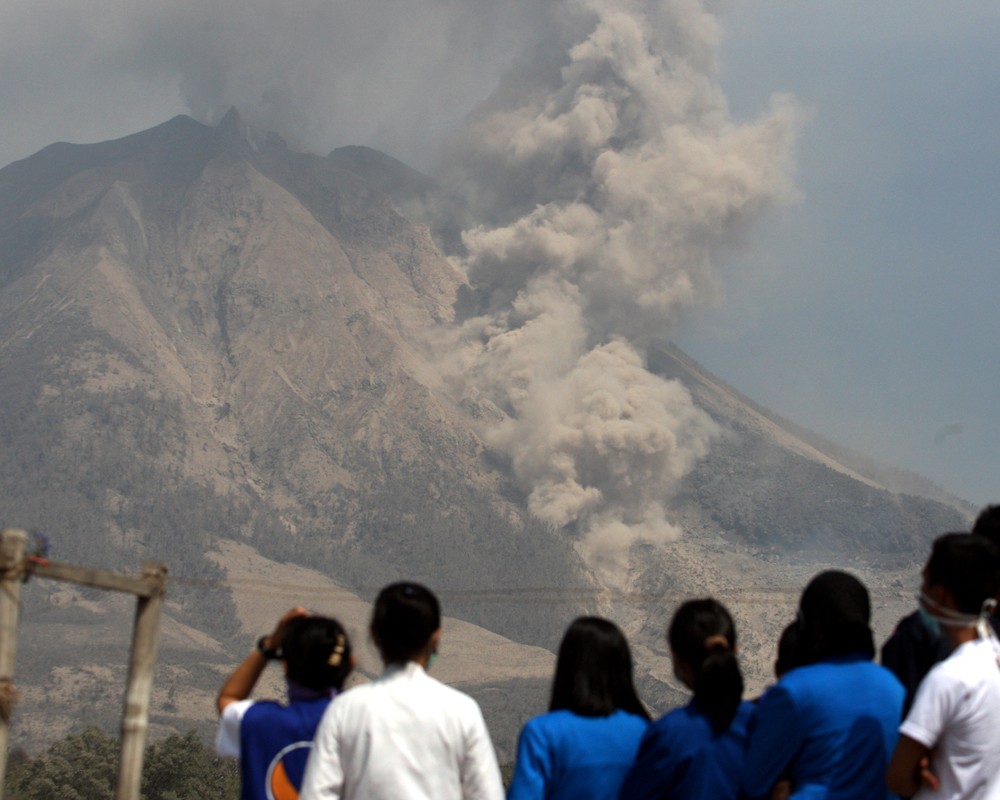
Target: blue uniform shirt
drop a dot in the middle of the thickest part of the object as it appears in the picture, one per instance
(830, 728)
(274, 742)
(564, 756)
(682, 757)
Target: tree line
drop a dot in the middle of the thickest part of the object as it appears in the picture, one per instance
(84, 766)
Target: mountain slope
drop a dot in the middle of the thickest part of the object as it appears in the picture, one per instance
(206, 338)
(233, 347)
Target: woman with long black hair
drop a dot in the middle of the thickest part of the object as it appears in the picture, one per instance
(582, 748)
(697, 752)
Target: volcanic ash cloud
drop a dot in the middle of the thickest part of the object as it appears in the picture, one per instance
(610, 181)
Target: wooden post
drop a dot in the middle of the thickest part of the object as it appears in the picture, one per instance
(12, 544)
(150, 589)
(135, 719)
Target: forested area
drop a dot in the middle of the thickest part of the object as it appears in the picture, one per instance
(84, 766)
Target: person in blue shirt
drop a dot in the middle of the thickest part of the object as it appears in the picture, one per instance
(828, 726)
(697, 752)
(272, 740)
(582, 748)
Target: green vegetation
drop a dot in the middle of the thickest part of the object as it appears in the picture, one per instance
(84, 766)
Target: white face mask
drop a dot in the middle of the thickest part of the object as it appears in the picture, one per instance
(935, 615)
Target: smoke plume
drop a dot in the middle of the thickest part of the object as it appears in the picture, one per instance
(322, 73)
(600, 179)
(609, 179)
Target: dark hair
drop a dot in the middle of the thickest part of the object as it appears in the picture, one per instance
(703, 636)
(988, 524)
(966, 564)
(403, 621)
(594, 671)
(317, 652)
(834, 618)
(788, 652)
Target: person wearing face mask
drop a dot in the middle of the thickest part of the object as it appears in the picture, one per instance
(915, 647)
(949, 743)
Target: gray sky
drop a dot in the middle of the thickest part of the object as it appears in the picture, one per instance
(868, 312)
(865, 311)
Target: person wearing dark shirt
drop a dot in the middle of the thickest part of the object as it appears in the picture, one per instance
(914, 648)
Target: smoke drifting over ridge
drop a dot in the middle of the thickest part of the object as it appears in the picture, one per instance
(600, 179)
(322, 73)
(610, 182)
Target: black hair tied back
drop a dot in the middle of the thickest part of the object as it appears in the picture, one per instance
(703, 636)
(317, 652)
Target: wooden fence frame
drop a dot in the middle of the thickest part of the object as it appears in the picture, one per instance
(149, 588)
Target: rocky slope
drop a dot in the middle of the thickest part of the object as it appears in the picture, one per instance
(215, 351)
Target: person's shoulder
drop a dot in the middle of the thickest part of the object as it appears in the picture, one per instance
(556, 723)
(745, 712)
(629, 720)
(445, 693)
(911, 627)
(550, 721)
(359, 694)
(234, 713)
(262, 707)
(799, 679)
(967, 662)
(680, 722)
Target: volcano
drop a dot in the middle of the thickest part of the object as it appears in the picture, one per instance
(220, 353)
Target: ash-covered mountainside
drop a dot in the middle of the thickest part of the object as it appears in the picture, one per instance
(224, 354)
(205, 335)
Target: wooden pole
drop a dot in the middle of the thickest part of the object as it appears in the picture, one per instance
(12, 544)
(135, 719)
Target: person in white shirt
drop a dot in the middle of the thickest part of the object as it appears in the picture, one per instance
(949, 743)
(405, 734)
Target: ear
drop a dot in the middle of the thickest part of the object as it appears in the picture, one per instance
(682, 670)
(940, 594)
(434, 641)
(946, 598)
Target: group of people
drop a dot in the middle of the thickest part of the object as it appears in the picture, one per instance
(925, 723)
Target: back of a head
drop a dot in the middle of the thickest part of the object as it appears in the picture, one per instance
(316, 652)
(968, 565)
(988, 524)
(702, 635)
(405, 617)
(788, 650)
(834, 618)
(594, 671)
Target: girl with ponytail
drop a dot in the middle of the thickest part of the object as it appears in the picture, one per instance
(697, 752)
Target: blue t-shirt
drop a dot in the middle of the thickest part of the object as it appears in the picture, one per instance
(830, 728)
(564, 756)
(682, 758)
(275, 741)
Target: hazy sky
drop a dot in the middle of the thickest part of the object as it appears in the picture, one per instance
(865, 311)
(868, 312)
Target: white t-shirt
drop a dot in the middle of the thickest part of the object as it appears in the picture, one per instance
(956, 713)
(404, 735)
(227, 738)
